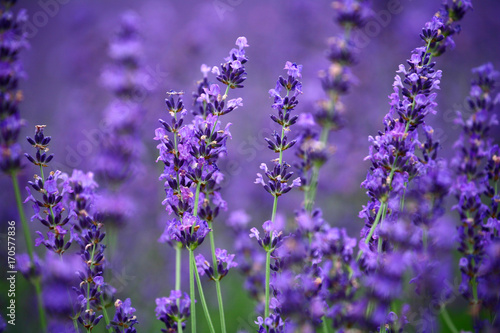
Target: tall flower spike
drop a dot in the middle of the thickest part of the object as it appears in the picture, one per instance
(285, 100)
(12, 41)
(50, 208)
(476, 166)
(392, 153)
(120, 146)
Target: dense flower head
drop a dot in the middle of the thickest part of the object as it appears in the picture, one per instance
(12, 42)
(232, 72)
(272, 237)
(124, 318)
(224, 264)
(40, 142)
(190, 231)
(272, 324)
(352, 14)
(173, 309)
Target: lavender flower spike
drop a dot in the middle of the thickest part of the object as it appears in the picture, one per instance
(12, 41)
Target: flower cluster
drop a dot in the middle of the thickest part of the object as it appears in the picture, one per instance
(173, 310)
(124, 319)
(12, 41)
(224, 264)
(49, 211)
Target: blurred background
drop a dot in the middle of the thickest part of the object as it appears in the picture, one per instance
(69, 49)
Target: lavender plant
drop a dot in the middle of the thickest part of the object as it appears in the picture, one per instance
(279, 180)
(193, 178)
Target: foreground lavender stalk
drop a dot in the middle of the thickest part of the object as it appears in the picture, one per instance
(395, 164)
(93, 293)
(477, 166)
(278, 177)
(392, 153)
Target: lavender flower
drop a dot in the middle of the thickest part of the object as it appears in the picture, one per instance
(49, 211)
(173, 310)
(93, 291)
(224, 264)
(124, 318)
(272, 324)
(279, 177)
(190, 231)
(12, 41)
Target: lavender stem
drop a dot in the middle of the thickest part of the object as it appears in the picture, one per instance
(29, 247)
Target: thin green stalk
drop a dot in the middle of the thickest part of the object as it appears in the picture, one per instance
(447, 319)
(221, 306)
(29, 247)
(200, 292)
(41, 310)
(105, 313)
(217, 281)
(324, 325)
(88, 284)
(191, 292)
(178, 263)
(372, 229)
(268, 275)
(275, 208)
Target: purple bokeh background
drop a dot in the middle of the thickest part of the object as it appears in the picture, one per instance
(63, 90)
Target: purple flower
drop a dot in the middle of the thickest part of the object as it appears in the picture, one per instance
(124, 318)
(170, 310)
(272, 238)
(29, 269)
(12, 41)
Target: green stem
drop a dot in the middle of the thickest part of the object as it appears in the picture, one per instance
(372, 229)
(178, 263)
(200, 292)
(88, 283)
(221, 306)
(29, 247)
(447, 319)
(275, 208)
(41, 310)
(191, 292)
(268, 275)
(313, 186)
(324, 325)
(217, 281)
(105, 313)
